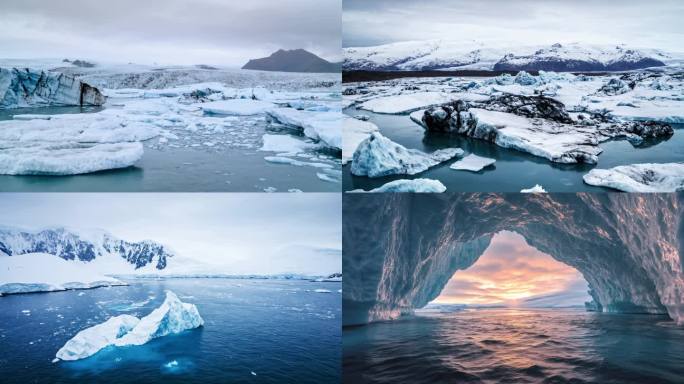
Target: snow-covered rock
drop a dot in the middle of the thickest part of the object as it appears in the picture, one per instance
(173, 316)
(33, 88)
(536, 189)
(323, 126)
(408, 185)
(236, 107)
(472, 163)
(628, 247)
(668, 177)
(379, 156)
(42, 272)
(354, 131)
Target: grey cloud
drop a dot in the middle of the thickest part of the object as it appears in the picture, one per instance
(172, 29)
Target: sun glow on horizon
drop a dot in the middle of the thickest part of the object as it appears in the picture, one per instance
(512, 273)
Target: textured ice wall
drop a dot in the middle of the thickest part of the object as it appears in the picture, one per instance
(400, 250)
(33, 88)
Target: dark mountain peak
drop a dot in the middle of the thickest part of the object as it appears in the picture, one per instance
(294, 60)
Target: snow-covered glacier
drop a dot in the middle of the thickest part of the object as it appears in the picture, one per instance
(25, 87)
(465, 54)
(402, 249)
(173, 316)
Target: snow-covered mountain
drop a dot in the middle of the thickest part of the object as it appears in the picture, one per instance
(96, 245)
(472, 55)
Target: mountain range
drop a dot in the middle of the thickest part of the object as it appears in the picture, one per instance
(470, 55)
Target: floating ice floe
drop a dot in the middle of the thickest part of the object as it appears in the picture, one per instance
(236, 107)
(325, 126)
(286, 144)
(409, 102)
(354, 131)
(649, 177)
(173, 316)
(68, 158)
(322, 290)
(414, 185)
(379, 156)
(536, 189)
(472, 163)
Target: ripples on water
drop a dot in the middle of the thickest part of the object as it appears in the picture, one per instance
(516, 346)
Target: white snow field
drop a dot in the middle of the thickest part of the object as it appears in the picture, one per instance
(668, 177)
(413, 185)
(379, 156)
(175, 107)
(41, 272)
(173, 316)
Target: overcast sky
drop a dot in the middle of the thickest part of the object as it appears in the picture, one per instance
(652, 24)
(219, 32)
(239, 233)
(511, 272)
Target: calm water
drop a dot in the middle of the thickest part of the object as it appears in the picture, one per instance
(280, 330)
(188, 169)
(513, 170)
(516, 346)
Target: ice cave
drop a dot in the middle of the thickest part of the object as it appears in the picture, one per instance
(402, 249)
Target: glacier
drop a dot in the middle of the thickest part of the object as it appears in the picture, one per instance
(33, 88)
(402, 249)
(173, 316)
(379, 156)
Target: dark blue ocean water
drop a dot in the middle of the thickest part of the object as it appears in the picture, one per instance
(280, 330)
(516, 346)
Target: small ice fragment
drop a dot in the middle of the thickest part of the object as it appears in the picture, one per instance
(253, 373)
(536, 189)
(322, 290)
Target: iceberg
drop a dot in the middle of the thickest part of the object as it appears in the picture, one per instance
(379, 156)
(173, 316)
(414, 185)
(472, 163)
(399, 258)
(323, 126)
(236, 107)
(34, 88)
(354, 131)
(285, 144)
(667, 177)
(91, 340)
(536, 189)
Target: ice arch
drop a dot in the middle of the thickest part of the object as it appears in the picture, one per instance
(401, 249)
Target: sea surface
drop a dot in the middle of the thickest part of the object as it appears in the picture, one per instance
(515, 346)
(255, 331)
(197, 168)
(513, 170)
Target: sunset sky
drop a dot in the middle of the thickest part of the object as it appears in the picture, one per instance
(513, 273)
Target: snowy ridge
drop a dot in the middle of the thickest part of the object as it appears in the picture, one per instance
(472, 55)
(84, 246)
